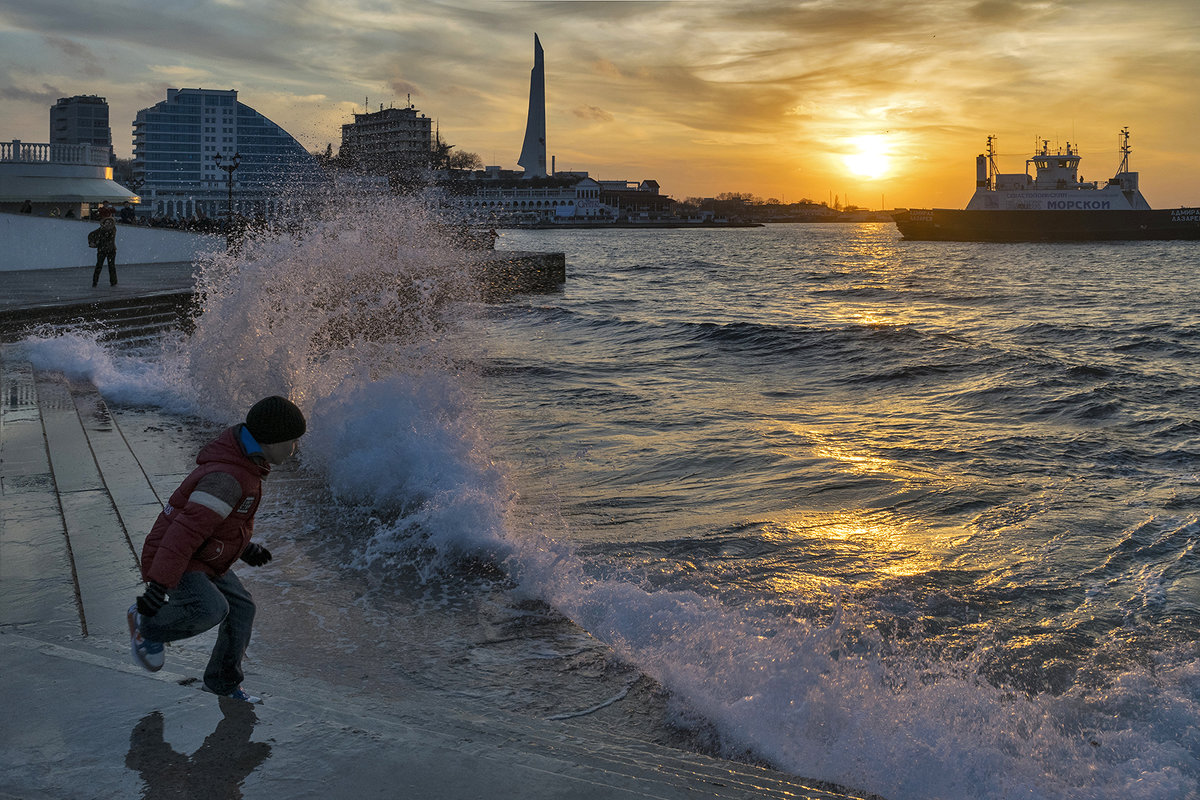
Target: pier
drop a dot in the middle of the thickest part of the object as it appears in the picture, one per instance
(152, 297)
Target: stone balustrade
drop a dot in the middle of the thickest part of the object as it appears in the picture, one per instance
(17, 151)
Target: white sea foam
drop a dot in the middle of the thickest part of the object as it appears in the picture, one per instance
(832, 702)
(121, 377)
(353, 316)
(405, 447)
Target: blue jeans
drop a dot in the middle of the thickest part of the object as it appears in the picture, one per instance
(200, 603)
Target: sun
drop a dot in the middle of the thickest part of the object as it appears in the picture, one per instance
(871, 159)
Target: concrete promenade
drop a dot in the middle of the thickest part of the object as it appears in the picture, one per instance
(82, 721)
(29, 289)
(146, 295)
(161, 293)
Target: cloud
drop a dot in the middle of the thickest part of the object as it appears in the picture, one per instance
(183, 29)
(592, 113)
(401, 87)
(180, 74)
(77, 52)
(1007, 11)
(720, 83)
(602, 66)
(47, 94)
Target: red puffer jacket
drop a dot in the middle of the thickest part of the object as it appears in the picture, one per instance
(191, 536)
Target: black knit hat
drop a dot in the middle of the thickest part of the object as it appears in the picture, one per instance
(275, 419)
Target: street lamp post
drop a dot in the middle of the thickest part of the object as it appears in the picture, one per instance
(229, 169)
(137, 185)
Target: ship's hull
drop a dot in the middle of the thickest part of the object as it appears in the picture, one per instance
(948, 225)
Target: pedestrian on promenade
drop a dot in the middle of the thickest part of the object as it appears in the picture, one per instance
(203, 530)
(104, 239)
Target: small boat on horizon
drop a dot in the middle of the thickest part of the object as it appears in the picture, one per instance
(1053, 205)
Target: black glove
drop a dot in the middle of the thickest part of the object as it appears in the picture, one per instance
(154, 598)
(256, 555)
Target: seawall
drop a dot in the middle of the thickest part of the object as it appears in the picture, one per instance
(154, 296)
(28, 243)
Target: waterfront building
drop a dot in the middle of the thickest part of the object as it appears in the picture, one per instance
(175, 144)
(391, 141)
(637, 201)
(82, 119)
(497, 197)
(61, 180)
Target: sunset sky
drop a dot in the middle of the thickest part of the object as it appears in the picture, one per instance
(880, 102)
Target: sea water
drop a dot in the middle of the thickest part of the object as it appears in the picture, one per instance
(915, 518)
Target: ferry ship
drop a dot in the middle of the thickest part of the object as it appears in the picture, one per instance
(1052, 206)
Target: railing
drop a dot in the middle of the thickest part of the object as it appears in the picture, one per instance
(37, 153)
(525, 194)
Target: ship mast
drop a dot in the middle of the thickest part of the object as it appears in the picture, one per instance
(1124, 150)
(991, 160)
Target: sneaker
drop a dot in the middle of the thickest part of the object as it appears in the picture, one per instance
(238, 694)
(146, 653)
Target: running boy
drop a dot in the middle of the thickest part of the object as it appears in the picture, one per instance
(203, 530)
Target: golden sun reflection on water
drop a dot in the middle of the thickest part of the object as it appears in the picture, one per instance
(854, 460)
(874, 284)
(866, 547)
(868, 543)
(869, 319)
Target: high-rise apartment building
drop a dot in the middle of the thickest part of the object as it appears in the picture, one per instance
(174, 147)
(82, 119)
(388, 140)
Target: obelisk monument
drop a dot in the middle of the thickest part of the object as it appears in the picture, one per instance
(533, 152)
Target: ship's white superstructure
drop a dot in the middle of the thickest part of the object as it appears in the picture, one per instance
(1055, 185)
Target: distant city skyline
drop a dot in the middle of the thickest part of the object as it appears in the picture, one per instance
(878, 103)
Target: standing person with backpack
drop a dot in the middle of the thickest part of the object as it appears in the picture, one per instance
(104, 239)
(201, 533)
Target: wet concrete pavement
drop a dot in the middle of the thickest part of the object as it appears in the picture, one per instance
(85, 723)
(147, 297)
(36, 288)
(82, 721)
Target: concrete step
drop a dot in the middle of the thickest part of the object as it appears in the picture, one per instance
(71, 512)
(122, 318)
(38, 587)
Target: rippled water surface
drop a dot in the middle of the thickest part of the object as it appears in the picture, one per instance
(983, 455)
